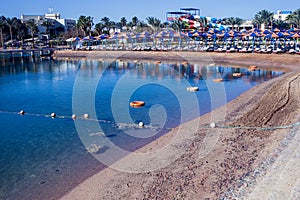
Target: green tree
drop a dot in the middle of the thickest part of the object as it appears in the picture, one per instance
(232, 21)
(11, 23)
(130, 25)
(123, 23)
(48, 24)
(141, 26)
(106, 23)
(177, 25)
(263, 17)
(280, 24)
(99, 28)
(294, 18)
(134, 21)
(203, 21)
(2, 26)
(154, 23)
(21, 30)
(33, 29)
(85, 24)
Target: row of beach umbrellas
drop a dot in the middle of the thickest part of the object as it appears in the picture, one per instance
(212, 33)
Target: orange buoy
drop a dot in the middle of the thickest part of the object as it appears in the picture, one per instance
(252, 67)
(158, 62)
(218, 80)
(185, 63)
(137, 104)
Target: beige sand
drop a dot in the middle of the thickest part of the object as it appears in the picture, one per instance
(214, 162)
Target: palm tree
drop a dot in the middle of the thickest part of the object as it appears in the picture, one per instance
(2, 25)
(134, 21)
(48, 24)
(280, 24)
(112, 25)
(203, 22)
(106, 23)
(11, 22)
(177, 25)
(85, 24)
(233, 21)
(263, 17)
(90, 24)
(33, 29)
(21, 29)
(164, 25)
(123, 23)
(130, 25)
(99, 28)
(294, 18)
(141, 26)
(154, 23)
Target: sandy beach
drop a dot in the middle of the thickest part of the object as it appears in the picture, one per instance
(225, 162)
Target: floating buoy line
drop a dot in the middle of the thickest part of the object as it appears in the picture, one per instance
(74, 117)
(140, 124)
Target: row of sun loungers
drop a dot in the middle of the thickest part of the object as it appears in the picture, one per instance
(224, 49)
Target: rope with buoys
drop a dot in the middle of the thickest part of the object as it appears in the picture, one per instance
(212, 125)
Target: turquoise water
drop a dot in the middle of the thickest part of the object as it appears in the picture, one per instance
(40, 154)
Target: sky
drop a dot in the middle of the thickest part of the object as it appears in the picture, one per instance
(115, 9)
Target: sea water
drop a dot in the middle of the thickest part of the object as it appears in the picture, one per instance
(43, 157)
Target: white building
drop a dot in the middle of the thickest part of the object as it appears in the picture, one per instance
(281, 15)
(66, 24)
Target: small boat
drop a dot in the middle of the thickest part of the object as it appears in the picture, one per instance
(237, 74)
(218, 80)
(192, 89)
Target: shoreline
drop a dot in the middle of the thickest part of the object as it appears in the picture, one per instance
(277, 61)
(236, 153)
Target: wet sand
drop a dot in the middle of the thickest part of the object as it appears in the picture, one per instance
(213, 163)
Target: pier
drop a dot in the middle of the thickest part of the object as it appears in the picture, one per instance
(26, 53)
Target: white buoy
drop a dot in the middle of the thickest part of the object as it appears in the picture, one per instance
(22, 112)
(141, 124)
(53, 115)
(212, 125)
(86, 116)
(74, 116)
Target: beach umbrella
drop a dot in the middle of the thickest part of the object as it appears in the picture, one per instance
(274, 35)
(276, 30)
(280, 34)
(76, 39)
(286, 34)
(266, 32)
(205, 35)
(89, 38)
(196, 34)
(296, 35)
(214, 36)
